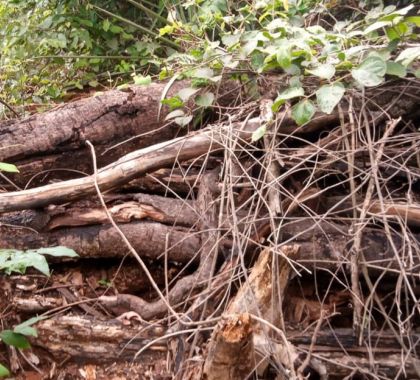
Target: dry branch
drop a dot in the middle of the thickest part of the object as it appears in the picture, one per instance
(130, 166)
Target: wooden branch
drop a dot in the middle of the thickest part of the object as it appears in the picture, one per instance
(393, 211)
(128, 167)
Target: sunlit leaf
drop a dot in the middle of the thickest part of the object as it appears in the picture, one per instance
(186, 93)
(205, 100)
(25, 328)
(141, 80)
(259, 133)
(183, 121)
(58, 251)
(370, 72)
(408, 55)
(290, 93)
(324, 71)
(174, 114)
(13, 339)
(284, 55)
(328, 96)
(4, 372)
(8, 168)
(303, 111)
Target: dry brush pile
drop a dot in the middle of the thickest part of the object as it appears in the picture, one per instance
(211, 252)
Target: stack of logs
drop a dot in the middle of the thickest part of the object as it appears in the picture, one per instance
(291, 256)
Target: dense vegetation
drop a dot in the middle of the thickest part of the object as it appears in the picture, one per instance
(52, 48)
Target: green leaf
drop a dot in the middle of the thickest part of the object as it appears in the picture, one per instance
(408, 55)
(141, 80)
(204, 73)
(173, 103)
(174, 114)
(105, 25)
(58, 251)
(8, 168)
(25, 328)
(324, 71)
(284, 55)
(183, 121)
(395, 68)
(205, 100)
(18, 261)
(13, 339)
(186, 93)
(329, 96)
(290, 93)
(231, 39)
(370, 72)
(259, 133)
(376, 25)
(4, 372)
(414, 20)
(303, 111)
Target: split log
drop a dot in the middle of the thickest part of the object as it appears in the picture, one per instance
(124, 208)
(261, 296)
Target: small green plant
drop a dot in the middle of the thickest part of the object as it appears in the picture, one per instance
(18, 337)
(10, 168)
(105, 282)
(14, 260)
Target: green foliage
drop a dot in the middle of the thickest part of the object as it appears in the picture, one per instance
(4, 372)
(262, 36)
(18, 338)
(10, 168)
(75, 43)
(14, 260)
(51, 47)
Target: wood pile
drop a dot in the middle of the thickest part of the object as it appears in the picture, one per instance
(206, 252)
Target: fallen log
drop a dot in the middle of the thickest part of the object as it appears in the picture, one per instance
(151, 240)
(324, 245)
(405, 213)
(85, 338)
(56, 139)
(185, 287)
(124, 208)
